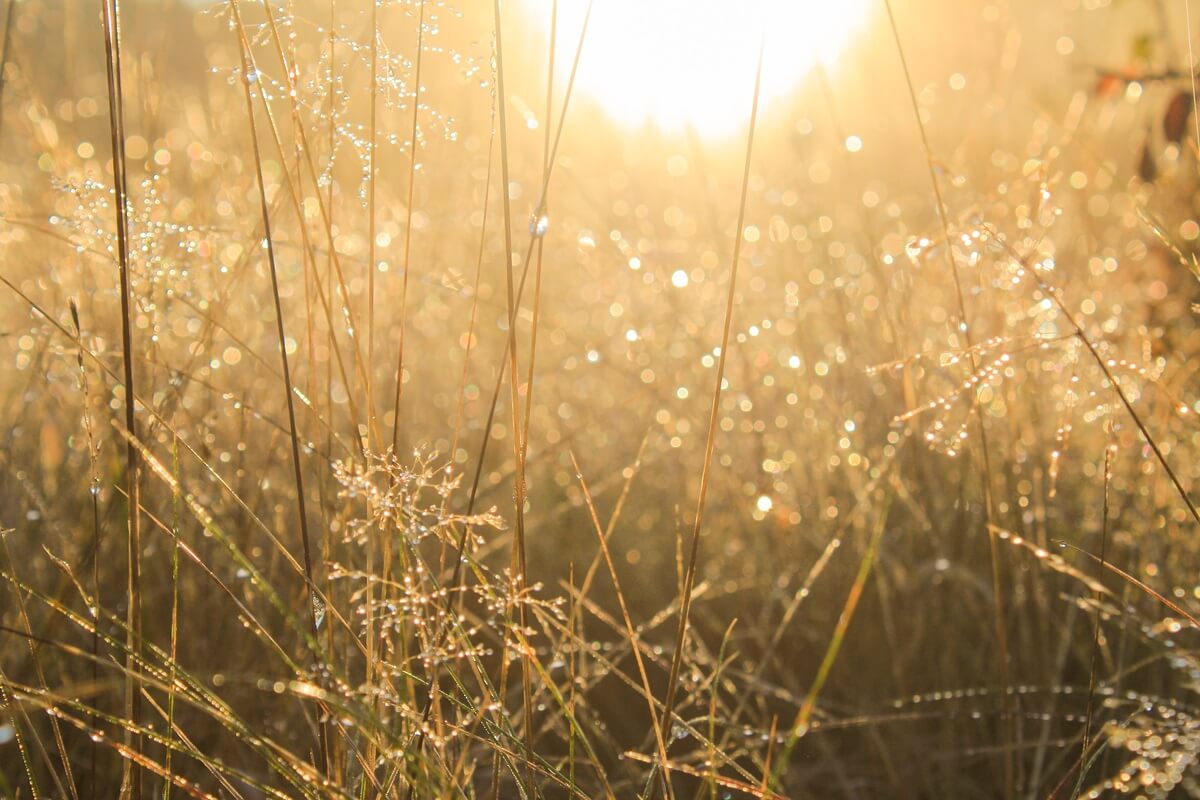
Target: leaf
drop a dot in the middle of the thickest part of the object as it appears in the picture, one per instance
(1147, 166)
(1176, 117)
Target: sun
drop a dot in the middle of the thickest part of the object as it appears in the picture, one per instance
(690, 63)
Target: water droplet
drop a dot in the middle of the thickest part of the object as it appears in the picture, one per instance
(538, 226)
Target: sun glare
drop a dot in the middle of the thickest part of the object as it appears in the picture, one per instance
(681, 63)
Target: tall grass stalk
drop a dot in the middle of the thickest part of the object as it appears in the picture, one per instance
(5, 44)
(537, 223)
(689, 575)
(373, 661)
(176, 532)
(311, 591)
(1096, 632)
(94, 492)
(800, 726)
(460, 549)
(519, 561)
(353, 331)
(634, 642)
(372, 215)
(132, 778)
(1007, 721)
(408, 222)
(330, 641)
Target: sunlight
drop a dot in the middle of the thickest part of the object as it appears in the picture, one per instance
(680, 63)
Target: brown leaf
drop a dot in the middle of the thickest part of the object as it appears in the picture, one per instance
(1147, 167)
(1176, 117)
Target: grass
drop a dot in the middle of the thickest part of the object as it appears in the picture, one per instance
(116, 112)
(852, 453)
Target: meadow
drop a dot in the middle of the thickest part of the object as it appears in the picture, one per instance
(566, 399)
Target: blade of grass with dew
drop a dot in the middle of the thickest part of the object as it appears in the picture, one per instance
(519, 560)
(964, 327)
(655, 724)
(800, 725)
(298, 471)
(131, 777)
(408, 224)
(689, 577)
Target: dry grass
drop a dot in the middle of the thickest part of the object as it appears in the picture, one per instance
(372, 434)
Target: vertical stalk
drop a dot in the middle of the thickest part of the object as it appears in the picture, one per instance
(248, 74)
(412, 178)
(4, 47)
(1087, 725)
(131, 778)
(460, 547)
(372, 657)
(333, 765)
(539, 215)
(407, 266)
(176, 531)
(94, 494)
(689, 580)
(372, 266)
(1006, 718)
(519, 554)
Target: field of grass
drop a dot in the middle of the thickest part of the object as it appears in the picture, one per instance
(389, 411)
